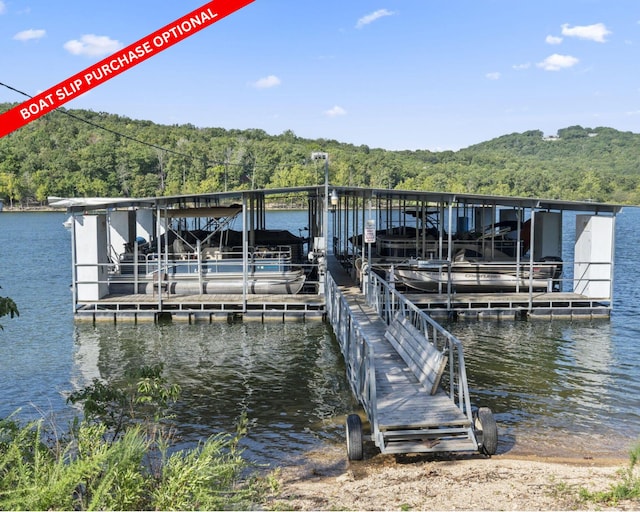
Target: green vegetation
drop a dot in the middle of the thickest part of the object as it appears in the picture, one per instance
(628, 488)
(8, 308)
(59, 155)
(122, 456)
(144, 397)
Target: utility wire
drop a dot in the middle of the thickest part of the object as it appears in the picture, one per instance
(114, 132)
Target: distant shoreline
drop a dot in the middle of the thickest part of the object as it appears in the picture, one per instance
(32, 209)
(49, 209)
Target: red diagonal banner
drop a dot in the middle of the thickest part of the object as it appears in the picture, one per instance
(117, 63)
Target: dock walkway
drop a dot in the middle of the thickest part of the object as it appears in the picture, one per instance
(404, 415)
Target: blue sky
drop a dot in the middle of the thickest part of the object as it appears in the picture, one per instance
(395, 74)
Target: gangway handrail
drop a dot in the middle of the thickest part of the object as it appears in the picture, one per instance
(389, 303)
(356, 348)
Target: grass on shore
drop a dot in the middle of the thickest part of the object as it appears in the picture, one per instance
(122, 456)
(627, 488)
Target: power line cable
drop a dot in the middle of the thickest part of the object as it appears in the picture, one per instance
(128, 137)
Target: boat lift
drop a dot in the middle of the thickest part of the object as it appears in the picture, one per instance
(407, 372)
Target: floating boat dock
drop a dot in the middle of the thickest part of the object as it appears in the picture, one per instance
(204, 308)
(174, 274)
(178, 258)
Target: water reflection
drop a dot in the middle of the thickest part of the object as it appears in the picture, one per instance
(557, 386)
(289, 379)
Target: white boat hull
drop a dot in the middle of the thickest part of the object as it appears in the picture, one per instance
(470, 277)
(261, 283)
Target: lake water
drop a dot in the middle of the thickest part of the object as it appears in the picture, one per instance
(556, 388)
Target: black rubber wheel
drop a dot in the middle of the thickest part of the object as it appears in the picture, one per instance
(486, 431)
(354, 437)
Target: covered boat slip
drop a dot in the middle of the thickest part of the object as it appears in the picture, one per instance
(453, 254)
(481, 256)
(186, 256)
(183, 258)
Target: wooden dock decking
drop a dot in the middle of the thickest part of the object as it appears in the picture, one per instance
(311, 306)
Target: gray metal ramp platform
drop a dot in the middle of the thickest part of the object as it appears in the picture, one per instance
(405, 416)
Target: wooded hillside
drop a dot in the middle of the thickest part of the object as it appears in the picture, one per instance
(60, 155)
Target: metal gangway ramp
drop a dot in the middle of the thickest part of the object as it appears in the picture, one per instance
(407, 372)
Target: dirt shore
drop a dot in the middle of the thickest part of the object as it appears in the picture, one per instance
(327, 481)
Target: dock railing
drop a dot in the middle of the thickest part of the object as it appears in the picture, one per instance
(389, 304)
(356, 348)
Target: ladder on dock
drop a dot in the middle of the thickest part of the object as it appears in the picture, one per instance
(408, 374)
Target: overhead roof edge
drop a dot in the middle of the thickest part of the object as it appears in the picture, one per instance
(231, 197)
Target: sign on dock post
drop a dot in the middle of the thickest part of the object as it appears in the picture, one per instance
(369, 238)
(370, 231)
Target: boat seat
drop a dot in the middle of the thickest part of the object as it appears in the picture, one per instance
(211, 253)
(180, 251)
(262, 252)
(162, 285)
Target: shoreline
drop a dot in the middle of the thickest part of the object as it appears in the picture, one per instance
(326, 480)
(49, 209)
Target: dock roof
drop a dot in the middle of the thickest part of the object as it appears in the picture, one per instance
(234, 197)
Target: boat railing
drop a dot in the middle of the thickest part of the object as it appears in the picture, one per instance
(356, 348)
(233, 253)
(138, 270)
(391, 304)
(398, 247)
(448, 276)
(206, 260)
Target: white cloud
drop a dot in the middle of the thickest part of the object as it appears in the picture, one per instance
(597, 32)
(557, 62)
(335, 111)
(370, 18)
(92, 46)
(267, 82)
(520, 67)
(553, 40)
(493, 76)
(29, 35)
(3, 7)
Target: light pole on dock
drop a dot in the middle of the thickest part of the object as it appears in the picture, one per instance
(324, 244)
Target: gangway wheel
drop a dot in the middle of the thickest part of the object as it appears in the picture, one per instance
(486, 430)
(354, 437)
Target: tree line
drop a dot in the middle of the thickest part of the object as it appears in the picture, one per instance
(81, 153)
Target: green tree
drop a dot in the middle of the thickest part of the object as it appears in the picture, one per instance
(8, 308)
(61, 155)
(143, 396)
